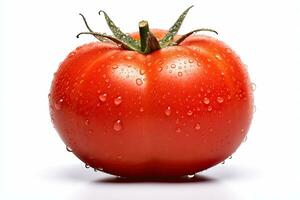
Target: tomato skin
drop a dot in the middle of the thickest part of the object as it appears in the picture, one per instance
(176, 111)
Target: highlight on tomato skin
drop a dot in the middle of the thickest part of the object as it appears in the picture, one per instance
(152, 103)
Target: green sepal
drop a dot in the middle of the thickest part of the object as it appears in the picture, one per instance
(174, 29)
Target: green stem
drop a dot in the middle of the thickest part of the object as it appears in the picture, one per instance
(144, 30)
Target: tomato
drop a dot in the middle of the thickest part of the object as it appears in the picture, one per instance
(175, 111)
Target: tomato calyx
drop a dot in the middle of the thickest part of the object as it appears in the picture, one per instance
(147, 42)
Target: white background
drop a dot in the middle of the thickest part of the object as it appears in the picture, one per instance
(37, 35)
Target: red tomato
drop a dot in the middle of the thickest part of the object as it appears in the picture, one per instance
(173, 112)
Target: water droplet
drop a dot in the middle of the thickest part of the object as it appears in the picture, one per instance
(209, 108)
(141, 109)
(245, 138)
(115, 66)
(128, 57)
(87, 166)
(206, 100)
(197, 126)
(117, 125)
(69, 149)
(160, 69)
(253, 85)
(139, 81)
(178, 130)
(179, 73)
(217, 56)
(168, 111)
(191, 175)
(58, 104)
(220, 99)
(173, 66)
(230, 157)
(223, 162)
(103, 97)
(191, 61)
(118, 100)
(228, 50)
(189, 113)
(87, 122)
(142, 72)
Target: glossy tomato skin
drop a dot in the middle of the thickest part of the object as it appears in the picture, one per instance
(173, 112)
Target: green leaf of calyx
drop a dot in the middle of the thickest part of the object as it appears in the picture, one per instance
(174, 29)
(129, 41)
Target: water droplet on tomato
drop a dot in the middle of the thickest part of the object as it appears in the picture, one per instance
(191, 61)
(197, 126)
(189, 113)
(220, 99)
(191, 176)
(86, 166)
(173, 66)
(209, 108)
(223, 162)
(168, 111)
(58, 104)
(179, 73)
(117, 125)
(253, 85)
(142, 72)
(87, 122)
(115, 66)
(118, 100)
(139, 81)
(128, 57)
(230, 157)
(160, 69)
(245, 138)
(217, 56)
(141, 109)
(103, 97)
(178, 130)
(69, 149)
(206, 100)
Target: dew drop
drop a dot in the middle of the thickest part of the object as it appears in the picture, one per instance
(217, 56)
(189, 113)
(118, 100)
(178, 130)
(206, 100)
(223, 162)
(209, 108)
(58, 104)
(220, 99)
(197, 127)
(87, 166)
(230, 157)
(115, 66)
(168, 111)
(139, 81)
(142, 72)
(191, 61)
(142, 109)
(160, 69)
(179, 73)
(173, 66)
(117, 125)
(87, 122)
(103, 97)
(128, 57)
(69, 149)
(245, 138)
(191, 175)
(253, 85)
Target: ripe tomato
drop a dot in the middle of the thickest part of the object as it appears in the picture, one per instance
(175, 111)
